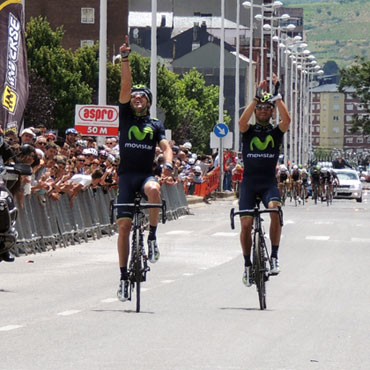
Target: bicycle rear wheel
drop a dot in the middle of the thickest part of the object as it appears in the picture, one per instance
(260, 270)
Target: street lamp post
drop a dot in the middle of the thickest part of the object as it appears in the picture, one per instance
(263, 7)
(153, 60)
(237, 79)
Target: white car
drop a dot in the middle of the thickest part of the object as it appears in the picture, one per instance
(349, 185)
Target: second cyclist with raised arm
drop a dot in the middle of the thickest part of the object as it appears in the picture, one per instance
(261, 143)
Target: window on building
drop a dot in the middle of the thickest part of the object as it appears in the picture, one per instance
(335, 141)
(87, 43)
(348, 118)
(349, 96)
(360, 140)
(336, 129)
(348, 129)
(336, 97)
(335, 118)
(349, 106)
(88, 15)
(324, 107)
(349, 140)
(324, 130)
(368, 140)
(335, 106)
(360, 107)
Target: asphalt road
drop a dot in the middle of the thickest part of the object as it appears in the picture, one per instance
(58, 309)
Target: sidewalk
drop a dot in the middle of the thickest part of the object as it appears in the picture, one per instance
(194, 199)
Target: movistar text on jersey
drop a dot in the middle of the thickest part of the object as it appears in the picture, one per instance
(260, 155)
(138, 146)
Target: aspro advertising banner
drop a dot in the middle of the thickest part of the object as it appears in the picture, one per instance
(13, 65)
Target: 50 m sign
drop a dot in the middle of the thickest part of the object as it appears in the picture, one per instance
(97, 120)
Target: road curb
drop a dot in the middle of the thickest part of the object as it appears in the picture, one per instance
(225, 195)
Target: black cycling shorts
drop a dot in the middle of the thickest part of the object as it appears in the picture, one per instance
(266, 189)
(128, 185)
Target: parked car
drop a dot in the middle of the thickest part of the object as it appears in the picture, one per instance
(349, 185)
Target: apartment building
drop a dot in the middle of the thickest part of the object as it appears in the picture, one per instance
(81, 20)
(332, 115)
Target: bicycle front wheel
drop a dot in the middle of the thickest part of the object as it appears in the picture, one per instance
(138, 281)
(260, 271)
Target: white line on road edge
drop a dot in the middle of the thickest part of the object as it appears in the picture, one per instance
(187, 274)
(68, 313)
(313, 237)
(178, 232)
(287, 222)
(361, 240)
(10, 327)
(324, 222)
(225, 234)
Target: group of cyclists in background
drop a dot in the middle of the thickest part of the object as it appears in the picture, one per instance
(297, 183)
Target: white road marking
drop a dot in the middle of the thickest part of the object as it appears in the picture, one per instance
(144, 289)
(361, 240)
(68, 313)
(287, 222)
(187, 274)
(109, 300)
(10, 327)
(225, 234)
(167, 281)
(178, 232)
(323, 222)
(317, 237)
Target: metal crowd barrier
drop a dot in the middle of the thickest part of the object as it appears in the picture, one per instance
(44, 224)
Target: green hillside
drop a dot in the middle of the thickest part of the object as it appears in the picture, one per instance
(336, 30)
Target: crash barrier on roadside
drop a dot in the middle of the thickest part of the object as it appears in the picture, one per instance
(210, 183)
(44, 224)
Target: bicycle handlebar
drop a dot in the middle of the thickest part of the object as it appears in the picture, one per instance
(254, 212)
(162, 206)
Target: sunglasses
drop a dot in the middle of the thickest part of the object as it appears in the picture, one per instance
(263, 107)
(81, 160)
(138, 95)
(41, 143)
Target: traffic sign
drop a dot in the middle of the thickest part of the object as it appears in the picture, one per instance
(97, 120)
(221, 130)
(227, 142)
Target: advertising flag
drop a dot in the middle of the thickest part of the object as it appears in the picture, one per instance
(13, 65)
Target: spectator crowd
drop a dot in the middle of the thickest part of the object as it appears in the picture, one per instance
(75, 163)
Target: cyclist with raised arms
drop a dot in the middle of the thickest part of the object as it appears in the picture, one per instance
(261, 144)
(139, 134)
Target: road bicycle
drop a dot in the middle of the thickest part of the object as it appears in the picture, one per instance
(315, 192)
(138, 263)
(261, 265)
(283, 194)
(303, 192)
(294, 194)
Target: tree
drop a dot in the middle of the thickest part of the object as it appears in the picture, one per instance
(59, 69)
(357, 76)
(40, 106)
(331, 67)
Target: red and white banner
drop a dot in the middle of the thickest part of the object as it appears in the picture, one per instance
(97, 120)
(13, 65)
